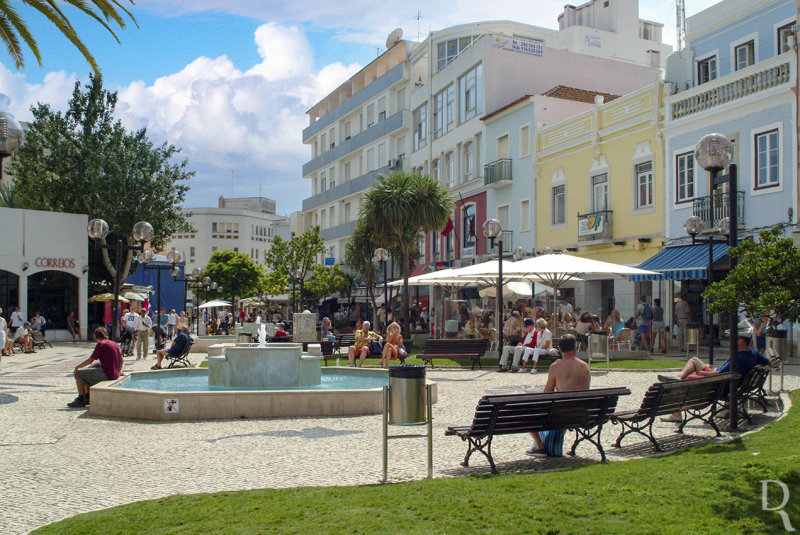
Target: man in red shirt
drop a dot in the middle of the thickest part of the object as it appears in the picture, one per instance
(109, 367)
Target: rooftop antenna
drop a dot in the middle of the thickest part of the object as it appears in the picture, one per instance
(418, 16)
(680, 22)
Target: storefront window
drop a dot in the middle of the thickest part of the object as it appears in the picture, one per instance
(54, 294)
(9, 292)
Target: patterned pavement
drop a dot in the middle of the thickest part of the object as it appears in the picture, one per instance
(57, 462)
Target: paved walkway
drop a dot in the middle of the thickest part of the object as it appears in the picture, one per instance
(56, 462)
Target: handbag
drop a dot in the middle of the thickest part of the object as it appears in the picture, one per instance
(375, 347)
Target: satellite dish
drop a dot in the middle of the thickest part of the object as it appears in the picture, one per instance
(394, 37)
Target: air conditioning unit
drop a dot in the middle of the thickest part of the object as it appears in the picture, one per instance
(394, 163)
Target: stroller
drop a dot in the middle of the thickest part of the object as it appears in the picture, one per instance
(39, 341)
(126, 343)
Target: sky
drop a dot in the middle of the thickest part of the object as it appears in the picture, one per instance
(228, 82)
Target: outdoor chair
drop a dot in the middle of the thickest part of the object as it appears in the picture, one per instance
(622, 339)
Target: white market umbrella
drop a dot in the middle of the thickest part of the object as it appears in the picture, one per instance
(516, 288)
(556, 269)
(216, 303)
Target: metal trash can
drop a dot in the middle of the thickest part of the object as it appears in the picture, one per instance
(406, 395)
(692, 334)
(598, 344)
(244, 338)
(779, 343)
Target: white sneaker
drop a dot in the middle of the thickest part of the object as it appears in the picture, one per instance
(533, 370)
(521, 370)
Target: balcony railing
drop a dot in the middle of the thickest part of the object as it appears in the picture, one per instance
(497, 173)
(508, 242)
(753, 79)
(712, 208)
(594, 226)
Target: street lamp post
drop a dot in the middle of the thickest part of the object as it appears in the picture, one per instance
(199, 284)
(492, 229)
(173, 257)
(692, 227)
(381, 255)
(298, 276)
(142, 233)
(714, 153)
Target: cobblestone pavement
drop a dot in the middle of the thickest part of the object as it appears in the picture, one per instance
(43, 443)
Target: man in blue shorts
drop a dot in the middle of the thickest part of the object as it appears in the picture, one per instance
(567, 373)
(177, 347)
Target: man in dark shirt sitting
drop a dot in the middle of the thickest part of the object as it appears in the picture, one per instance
(107, 352)
(177, 347)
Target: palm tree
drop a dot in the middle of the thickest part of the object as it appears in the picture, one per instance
(400, 205)
(13, 29)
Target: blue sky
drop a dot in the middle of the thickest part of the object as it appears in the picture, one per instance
(229, 81)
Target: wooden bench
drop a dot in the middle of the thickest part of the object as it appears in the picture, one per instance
(326, 348)
(458, 348)
(585, 411)
(696, 399)
(183, 358)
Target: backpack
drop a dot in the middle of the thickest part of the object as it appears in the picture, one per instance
(647, 312)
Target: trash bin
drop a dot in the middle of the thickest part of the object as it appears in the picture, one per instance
(598, 344)
(692, 334)
(779, 343)
(406, 395)
(245, 338)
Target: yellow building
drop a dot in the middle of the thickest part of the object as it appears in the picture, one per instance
(600, 185)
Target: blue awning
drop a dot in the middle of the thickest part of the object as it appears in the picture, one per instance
(681, 263)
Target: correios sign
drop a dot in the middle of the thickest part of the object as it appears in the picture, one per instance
(54, 263)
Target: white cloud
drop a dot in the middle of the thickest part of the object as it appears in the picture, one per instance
(238, 129)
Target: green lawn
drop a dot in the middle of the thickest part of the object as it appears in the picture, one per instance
(709, 489)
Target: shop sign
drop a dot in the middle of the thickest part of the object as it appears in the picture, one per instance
(57, 263)
(520, 46)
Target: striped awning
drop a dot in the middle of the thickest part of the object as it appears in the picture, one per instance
(681, 263)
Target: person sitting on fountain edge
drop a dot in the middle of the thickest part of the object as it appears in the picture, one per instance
(109, 368)
(177, 347)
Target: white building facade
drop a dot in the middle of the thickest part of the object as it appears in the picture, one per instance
(44, 266)
(245, 225)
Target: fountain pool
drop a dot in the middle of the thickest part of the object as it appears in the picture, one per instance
(185, 394)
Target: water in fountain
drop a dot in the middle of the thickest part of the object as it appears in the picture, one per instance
(262, 336)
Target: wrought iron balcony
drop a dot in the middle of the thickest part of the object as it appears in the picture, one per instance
(497, 173)
(594, 226)
(712, 208)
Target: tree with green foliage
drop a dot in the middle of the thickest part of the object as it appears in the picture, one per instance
(399, 206)
(323, 281)
(358, 254)
(9, 197)
(236, 272)
(14, 30)
(285, 258)
(765, 280)
(84, 162)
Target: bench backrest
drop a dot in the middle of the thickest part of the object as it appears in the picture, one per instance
(326, 348)
(754, 379)
(347, 339)
(667, 398)
(456, 345)
(518, 413)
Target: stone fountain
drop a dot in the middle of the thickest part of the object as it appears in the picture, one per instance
(264, 366)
